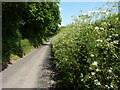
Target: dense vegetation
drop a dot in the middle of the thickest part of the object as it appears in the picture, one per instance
(26, 25)
(88, 53)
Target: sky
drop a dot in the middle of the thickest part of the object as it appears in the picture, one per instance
(69, 9)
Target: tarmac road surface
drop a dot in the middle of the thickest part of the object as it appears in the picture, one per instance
(31, 71)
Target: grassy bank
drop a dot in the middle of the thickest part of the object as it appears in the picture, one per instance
(25, 48)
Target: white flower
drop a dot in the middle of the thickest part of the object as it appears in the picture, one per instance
(116, 34)
(107, 86)
(98, 83)
(92, 55)
(96, 80)
(112, 29)
(115, 42)
(96, 28)
(92, 73)
(113, 34)
(102, 28)
(81, 79)
(108, 45)
(109, 70)
(81, 74)
(116, 76)
(97, 70)
(99, 45)
(108, 39)
(95, 63)
(109, 24)
(117, 19)
(99, 40)
(111, 86)
(90, 68)
(89, 77)
(104, 23)
(110, 36)
(107, 13)
(66, 59)
(108, 77)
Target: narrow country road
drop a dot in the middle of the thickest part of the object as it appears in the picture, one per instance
(31, 71)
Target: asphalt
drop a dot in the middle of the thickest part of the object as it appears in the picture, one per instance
(31, 71)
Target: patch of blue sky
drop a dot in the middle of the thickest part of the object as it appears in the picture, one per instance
(69, 9)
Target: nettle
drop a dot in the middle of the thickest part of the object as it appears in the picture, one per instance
(88, 54)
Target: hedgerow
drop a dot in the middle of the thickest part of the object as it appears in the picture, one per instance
(88, 54)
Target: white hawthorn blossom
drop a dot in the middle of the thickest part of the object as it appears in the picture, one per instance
(117, 19)
(108, 77)
(116, 34)
(97, 70)
(107, 86)
(95, 63)
(93, 73)
(90, 68)
(108, 39)
(92, 55)
(96, 28)
(104, 23)
(81, 74)
(107, 13)
(99, 40)
(109, 24)
(81, 79)
(98, 83)
(101, 28)
(110, 36)
(95, 80)
(111, 86)
(109, 70)
(115, 42)
(89, 77)
(111, 29)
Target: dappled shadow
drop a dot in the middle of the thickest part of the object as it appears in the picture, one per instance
(48, 75)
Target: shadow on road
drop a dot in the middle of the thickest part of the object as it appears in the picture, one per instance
(48, 79)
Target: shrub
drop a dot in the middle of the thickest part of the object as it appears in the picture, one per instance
(88, 54)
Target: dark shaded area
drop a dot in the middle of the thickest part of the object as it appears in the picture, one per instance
(56, 75)
(46, 74)
(49, 72)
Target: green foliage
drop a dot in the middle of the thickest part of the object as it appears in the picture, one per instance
(88, 54)
(27, 25)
